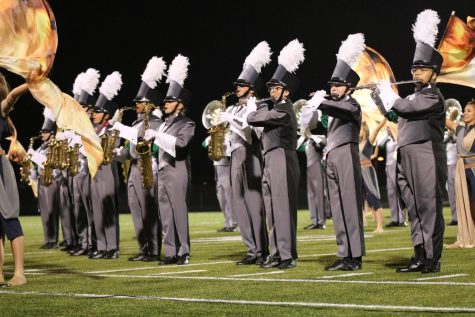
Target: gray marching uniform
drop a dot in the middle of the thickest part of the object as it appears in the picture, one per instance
(451, 163)
(54, 203)
(142, 203)
(246, 183)
(281, 175)
(174, 175)
(82, 205)
(222, 177)
(398, 214)
(344, 175)
(422, 166)
(104, 189)
(315, 183)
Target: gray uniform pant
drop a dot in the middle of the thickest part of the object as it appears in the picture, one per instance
(104, 206)
(247, 203)
(345, 186)
(83, 210)
(451, 190)
(422, 173)
(144, 211)
(398, 214)
(222, 177)
(172, 190)
(280, 183)
(315, 186)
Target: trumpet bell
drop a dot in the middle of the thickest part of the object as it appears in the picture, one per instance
(453, 110)
(210, 115)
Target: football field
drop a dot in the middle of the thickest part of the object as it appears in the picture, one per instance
(213, 285)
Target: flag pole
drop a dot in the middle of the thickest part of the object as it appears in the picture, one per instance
(446, 28)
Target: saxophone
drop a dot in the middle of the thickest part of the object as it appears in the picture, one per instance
(216, 148)
(26, 164)
(49, 164)
(144, 150)
(73, 157)
(108, 140)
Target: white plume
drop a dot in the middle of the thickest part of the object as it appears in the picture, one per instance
(78, 83)
(291, 56)
(111, 85)
(351, 49)
(48, 114)
(91, 80)
(154, 71)
(259, 56)
(425, 29)
(178, 70)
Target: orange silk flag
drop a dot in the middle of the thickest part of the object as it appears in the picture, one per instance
(29, 40)
(458, 50)
(372, 68)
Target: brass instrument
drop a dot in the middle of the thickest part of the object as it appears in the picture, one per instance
(144, 150)
(453, 110)
(73, 157)
(216, 148)
(48, 165)
(26, 164)
(373, 85)
(108, 140)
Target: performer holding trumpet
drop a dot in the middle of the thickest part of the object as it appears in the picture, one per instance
(342, 154)
(422, 161)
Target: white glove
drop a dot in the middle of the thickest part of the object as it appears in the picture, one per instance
(317, 99)
(386, 94)
(117, 126)
(115, 117)
(31, 151)
(225, 117)
(150, 134)
(157, 113)
(251, 104)
(60, 136)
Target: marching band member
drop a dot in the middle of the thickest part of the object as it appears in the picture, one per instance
(281, 173)
(246, 161)
(143, 201)
(342, 158)
(104, 186)
(174, 171)
(422, 161)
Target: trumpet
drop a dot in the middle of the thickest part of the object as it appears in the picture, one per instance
(397, 83)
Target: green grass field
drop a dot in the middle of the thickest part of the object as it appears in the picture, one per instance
(61, 285)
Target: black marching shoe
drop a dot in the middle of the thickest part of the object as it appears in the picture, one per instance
(337, 265)
(392, 224)
(168, 260)
(352, 264)
(183, 259)
(415, 265)
(431, 266)
(310, 227)
(453, 223)
(80, 252)
(151, 258)
(261, 259)
(271, 262)
(97, 255)
(49, 245)
(112, 254)
(250, 259)
(67, 248)
(62, 243)
(287, 264)
(138, 257)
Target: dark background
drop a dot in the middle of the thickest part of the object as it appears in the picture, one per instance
(124, 35)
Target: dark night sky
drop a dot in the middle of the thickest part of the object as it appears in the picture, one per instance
(124, 35)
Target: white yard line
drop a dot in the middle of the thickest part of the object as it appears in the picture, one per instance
(439, 277)
(158, 267)
(367, 251)
(277, 280)
(38, 253)
(254, 274)
(345, 275)
(179, 272)
(247, 302)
